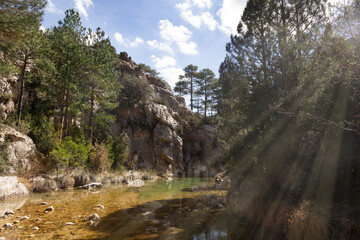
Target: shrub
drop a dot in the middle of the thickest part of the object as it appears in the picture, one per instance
(3, 158)
(118, 149)
(43, 134)
(99, 158)
(70, 153)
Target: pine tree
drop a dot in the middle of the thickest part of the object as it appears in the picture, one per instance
(204, 81)
(69, 55)
(190, 72)
(100, 78)
(182, 86)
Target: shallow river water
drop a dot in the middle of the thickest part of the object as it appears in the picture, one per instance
(158, 210)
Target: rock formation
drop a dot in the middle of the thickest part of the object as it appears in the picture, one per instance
(18, 147)
(10, 187)
(162, 139)
(6, 93)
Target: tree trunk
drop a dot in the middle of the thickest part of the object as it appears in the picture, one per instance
(91, 115)
(22, 84)
(191, 93)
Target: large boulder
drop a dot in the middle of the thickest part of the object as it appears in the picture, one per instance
(10, 187)
(19, 148)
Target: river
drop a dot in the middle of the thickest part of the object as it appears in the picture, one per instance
(158, 210)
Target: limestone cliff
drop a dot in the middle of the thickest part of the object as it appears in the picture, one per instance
(162, 137)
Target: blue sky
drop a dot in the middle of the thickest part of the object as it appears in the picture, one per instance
(165, 34)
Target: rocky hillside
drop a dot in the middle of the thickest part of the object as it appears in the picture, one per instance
(164, 137)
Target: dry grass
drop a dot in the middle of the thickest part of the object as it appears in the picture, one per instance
(306, 222)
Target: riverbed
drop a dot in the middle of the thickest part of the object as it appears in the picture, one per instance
(158, 210)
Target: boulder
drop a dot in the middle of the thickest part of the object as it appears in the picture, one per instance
(10, 187)
(40, 184)
(160, 113)
(20, 149)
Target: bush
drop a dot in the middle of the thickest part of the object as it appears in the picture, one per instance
(118, 149)
(70, 154)
(43, 134)
(3, 158)
(99, 158)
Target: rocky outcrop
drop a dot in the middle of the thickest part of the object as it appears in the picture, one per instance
(18, 147)
(10, 187)
(6, 94)
(162, 140)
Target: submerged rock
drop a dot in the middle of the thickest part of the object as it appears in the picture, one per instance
(93, 217)
(9, 212)
(100, 206)
(49, 209)
(136, 183)
(8, 226)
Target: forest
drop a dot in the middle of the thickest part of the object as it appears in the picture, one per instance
(286, 107)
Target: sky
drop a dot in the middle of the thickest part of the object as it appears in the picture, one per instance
(164, 34)
(167, 35)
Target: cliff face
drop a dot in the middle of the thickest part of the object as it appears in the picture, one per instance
(162, 137)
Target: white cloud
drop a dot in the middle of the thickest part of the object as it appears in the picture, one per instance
(197, 20)
(126, 42)
(50, 7)
(162, 46)
(82, 5)
(198, 3)
(171, 75)
(164, 62)
(172, 33)
(166, 66)
(137, 42)
(119, 38)
(203, 3)
(42, 28)
(188, 48)
(179, 35)
(205, 19)
(230, 15)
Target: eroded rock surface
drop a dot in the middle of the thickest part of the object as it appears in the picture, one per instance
(10, 187)
(19, 148)
(161, 137)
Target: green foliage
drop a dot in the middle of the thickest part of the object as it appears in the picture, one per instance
(118, 150)
(3, 157)
(70, 154)
(182, 86)
(99, 158)
(134, 90)
(148, 70)
(44, 135)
